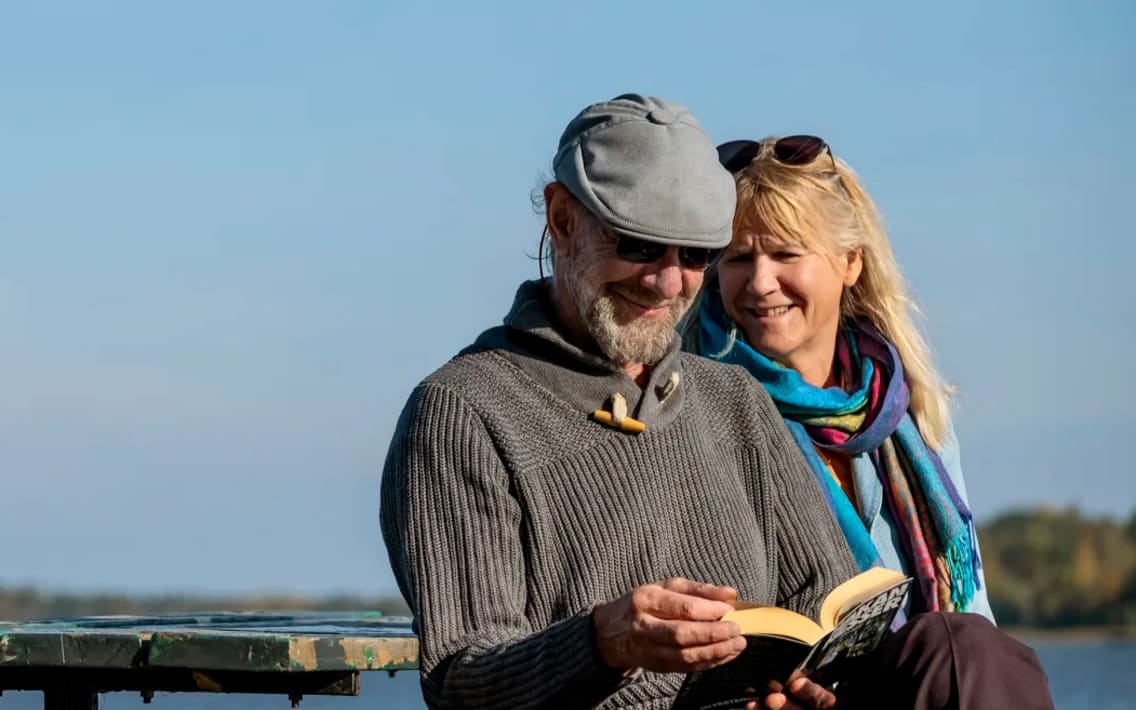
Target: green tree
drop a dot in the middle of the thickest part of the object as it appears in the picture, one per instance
(1051, 567)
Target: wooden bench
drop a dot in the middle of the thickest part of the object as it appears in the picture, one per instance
(293, 653)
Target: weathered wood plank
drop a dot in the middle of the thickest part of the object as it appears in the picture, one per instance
(253, 642)
(72, 661)
(72, 649)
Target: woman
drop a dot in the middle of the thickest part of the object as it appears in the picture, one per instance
(808, 297)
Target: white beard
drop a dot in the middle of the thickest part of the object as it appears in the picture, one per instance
(642, 340)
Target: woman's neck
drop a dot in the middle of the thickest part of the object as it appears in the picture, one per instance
(817, 366)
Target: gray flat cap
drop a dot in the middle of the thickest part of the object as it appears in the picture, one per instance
(646, 168)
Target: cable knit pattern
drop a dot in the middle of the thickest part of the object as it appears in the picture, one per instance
(509, 513)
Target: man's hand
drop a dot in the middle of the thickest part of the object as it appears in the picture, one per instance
(800, 694)
(672, 627)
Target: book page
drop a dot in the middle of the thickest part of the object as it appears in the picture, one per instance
(771, 620)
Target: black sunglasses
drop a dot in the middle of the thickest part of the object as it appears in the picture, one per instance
(641, 251)
(790, 150)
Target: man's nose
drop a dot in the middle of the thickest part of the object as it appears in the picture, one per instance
(665, 275)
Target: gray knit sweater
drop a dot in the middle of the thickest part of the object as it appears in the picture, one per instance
(509, 513)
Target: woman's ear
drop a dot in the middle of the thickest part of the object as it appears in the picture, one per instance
(853, 266)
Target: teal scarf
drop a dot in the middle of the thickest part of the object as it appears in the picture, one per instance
(938, 530)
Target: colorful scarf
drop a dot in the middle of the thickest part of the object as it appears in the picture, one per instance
(937, 528)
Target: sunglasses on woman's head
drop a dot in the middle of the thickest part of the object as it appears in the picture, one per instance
(642, 251)
(790, 150)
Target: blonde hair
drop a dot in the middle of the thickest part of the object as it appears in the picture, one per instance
(827, 210)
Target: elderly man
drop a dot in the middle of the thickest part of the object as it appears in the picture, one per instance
(542, 483)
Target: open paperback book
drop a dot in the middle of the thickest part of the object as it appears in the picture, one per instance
(854, 619)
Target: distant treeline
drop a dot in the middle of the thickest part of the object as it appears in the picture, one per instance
(1051, 568)
(1046, 568)
(24, 603)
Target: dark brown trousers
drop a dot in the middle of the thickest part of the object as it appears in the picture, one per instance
(949, 661)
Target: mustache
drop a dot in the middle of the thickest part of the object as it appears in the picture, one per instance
(645, 297)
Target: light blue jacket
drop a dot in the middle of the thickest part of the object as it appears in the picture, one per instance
(882, 527)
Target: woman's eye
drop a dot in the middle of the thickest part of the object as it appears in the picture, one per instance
(786, 255)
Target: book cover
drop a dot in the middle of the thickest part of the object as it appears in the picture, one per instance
(855, 618)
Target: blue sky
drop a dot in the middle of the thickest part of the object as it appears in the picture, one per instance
(234, 235)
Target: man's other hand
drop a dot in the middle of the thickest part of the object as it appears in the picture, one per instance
(801, 694)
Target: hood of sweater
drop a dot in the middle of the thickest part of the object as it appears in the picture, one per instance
(533, 338)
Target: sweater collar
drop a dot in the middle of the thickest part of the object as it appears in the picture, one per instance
(533, 338)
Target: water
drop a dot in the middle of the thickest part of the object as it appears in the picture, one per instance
(1083, 675)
